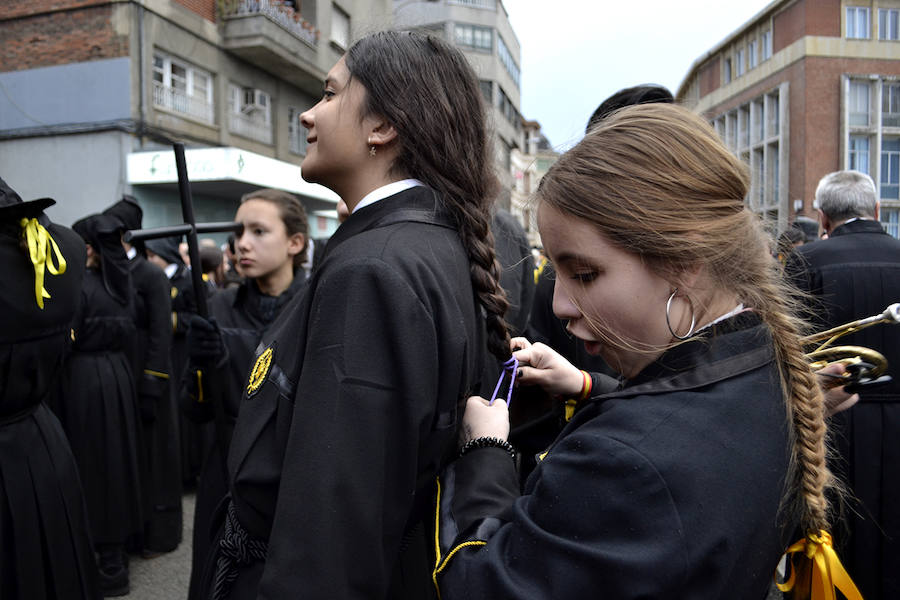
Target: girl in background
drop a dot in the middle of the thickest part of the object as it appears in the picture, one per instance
(270, 248)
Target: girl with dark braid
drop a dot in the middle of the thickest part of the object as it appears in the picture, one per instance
(353, 402)
(690, 479)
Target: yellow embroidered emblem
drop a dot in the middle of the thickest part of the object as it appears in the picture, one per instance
(260, 371)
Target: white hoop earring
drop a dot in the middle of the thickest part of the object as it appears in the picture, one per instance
(668, 323)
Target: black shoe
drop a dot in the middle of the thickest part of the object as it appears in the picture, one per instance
(113, 573)
(114, 582)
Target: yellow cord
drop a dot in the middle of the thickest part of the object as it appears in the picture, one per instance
(40, 245)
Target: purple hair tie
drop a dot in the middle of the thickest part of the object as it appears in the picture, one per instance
(512, 367)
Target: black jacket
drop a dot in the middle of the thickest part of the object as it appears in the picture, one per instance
(669, 488)
(855, 273)
(339, 440)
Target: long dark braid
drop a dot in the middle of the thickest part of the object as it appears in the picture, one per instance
(426, 89)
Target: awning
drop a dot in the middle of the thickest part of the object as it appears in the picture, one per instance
(227, 172)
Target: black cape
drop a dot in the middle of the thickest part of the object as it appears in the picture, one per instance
(341, 435)
(243, 314)
(669, 488)
(855, 273)
(45, 546)
(99, 412)
(151, 364)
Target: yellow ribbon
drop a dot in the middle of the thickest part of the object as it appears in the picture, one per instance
(538, 270)
(828, 573)
(40, 245)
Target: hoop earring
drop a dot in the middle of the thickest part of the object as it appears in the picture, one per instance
(371, 150)
(668, 324)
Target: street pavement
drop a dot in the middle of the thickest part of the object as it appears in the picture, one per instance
(166, 577)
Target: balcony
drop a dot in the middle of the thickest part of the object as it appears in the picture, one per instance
(250, 126)
(275, 38)
(178, 101)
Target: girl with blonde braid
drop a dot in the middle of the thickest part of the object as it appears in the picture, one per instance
(690, 480)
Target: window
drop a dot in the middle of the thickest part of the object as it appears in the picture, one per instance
(180, 87)
(766, 43)
(487, 90)
(250, 112)
(890, 168)
(731, 131)
(759, 179)
(859, 153)
(890, 105)
(751, 54)
(857, 22)
(507, 59)
(728, 70)
(739, 63)
(506, 107)
(759, 124)
(890, 219)
(773, 175)
(859, 104)
(774, 115)
(340, 27)
(489, 4)
(888, 21)
(744, 128)
(474, 36)
(296, 133)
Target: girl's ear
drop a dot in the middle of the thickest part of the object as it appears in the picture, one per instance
(296, 243)
(382, 133)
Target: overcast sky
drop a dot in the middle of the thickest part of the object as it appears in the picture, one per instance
(581, 51)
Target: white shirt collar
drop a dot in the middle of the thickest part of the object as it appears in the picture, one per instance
(131, 253)
(170, 270)
(738, 309)
(385, 191)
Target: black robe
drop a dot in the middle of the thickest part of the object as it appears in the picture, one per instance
(150, 359)
(195, 438)
(243, 315)
(669, 488)
(855, 273)
(342, 432)
(100, 415)
(45, 546)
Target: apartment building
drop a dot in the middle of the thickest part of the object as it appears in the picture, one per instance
(804, 88)
(528, 166)
(94, 92)
(481, 30)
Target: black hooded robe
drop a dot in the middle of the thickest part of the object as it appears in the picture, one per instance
(97, 406)
(45, 545)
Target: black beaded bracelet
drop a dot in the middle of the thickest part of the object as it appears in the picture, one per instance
(488, 442)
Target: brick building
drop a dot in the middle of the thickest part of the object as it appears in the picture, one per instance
(804, 88)
(93, 93)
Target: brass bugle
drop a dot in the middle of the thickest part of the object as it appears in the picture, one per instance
(874, 362)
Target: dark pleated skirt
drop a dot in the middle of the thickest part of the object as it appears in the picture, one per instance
(45, 543)
(100, 418)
